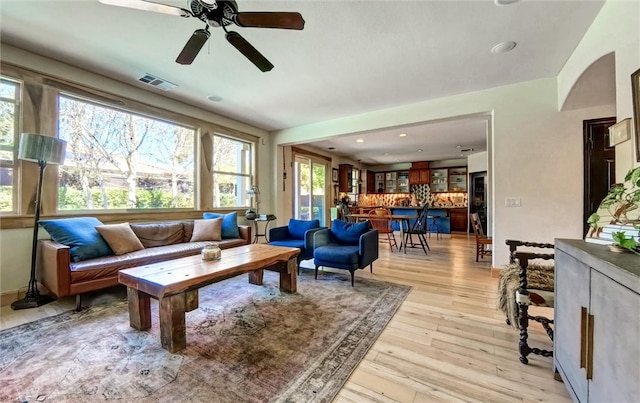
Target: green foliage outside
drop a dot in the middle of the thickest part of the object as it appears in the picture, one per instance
(6, 199)
(72, 199)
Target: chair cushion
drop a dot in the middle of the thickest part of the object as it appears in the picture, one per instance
(346, 254)
(291, 243)
(80, 235)
(229, 224)
(536, 297)
(120, 237)
(297, 228)
(348, 233)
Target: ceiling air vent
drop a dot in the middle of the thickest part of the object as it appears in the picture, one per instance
(157, 82)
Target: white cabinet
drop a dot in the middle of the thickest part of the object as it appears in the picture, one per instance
(597, 322)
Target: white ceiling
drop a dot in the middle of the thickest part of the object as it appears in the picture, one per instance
(352, 57)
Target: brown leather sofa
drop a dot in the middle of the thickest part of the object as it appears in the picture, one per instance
(161, 241)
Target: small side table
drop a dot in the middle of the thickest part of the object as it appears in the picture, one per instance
(256, 225)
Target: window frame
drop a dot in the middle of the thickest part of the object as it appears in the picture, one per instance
(14, 165)
(86, 99)
(252, 168)
(42, 113)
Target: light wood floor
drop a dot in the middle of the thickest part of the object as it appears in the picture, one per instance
(447, 342)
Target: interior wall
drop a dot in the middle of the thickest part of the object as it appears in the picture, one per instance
(535, 153)
(477, 162)
(615, 30)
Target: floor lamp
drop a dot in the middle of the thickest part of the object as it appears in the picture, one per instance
(42, 150)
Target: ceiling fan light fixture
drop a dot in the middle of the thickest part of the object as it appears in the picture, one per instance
(503, 47)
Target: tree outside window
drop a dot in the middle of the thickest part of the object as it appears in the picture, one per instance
(9, 111)
(121, 160)
(232, 173)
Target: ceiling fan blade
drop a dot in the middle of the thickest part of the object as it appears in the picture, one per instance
(149, 6)
(269, 20)
(249, 51)
(193, 46)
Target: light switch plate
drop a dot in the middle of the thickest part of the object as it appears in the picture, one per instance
(512, 202)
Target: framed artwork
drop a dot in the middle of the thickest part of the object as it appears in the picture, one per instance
(635, 92)
(334, 174)
(620, 132)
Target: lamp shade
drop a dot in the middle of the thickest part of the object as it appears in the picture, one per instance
(39, 148)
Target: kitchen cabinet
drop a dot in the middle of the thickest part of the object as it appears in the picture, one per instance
(392, 182)
(597, 325)
(459, 219)
(458, 179)
(371, 182)
(345, 178)
(440, 180)
(419, 176)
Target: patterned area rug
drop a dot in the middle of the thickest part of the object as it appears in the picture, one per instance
(245, 343)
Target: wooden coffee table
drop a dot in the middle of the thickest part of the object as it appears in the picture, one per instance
(175, 284)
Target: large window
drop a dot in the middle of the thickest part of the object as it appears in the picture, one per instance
(120, 160)
(9, 119)
(232, 172)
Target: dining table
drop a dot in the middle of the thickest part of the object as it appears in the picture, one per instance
(400, 218)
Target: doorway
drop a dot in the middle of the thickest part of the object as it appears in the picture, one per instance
(309, 198)
(599, 165)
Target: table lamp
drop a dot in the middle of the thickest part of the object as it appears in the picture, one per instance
(42, 150)
(255, 192)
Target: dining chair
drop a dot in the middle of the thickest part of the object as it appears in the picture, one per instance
(420, 229)
(482, 241)
(380, 220)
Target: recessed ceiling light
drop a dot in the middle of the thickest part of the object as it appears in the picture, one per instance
(214, 98)
(360, 141)
(403, 135)
(504, 2)
(331, 148)
(419, 150)
(503, 47)
(458, 146)
(386, 153)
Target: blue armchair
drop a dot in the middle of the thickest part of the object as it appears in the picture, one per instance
(298, 234)
(348, 246)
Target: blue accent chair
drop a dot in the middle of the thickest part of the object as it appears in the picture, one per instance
(348, 246)
(298, 234)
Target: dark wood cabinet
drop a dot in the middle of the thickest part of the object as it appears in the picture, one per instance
(345, 178)
(419, 176)
(459, 219)
(419, 173)
(371, 182)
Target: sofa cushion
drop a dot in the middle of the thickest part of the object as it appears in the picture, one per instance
(348, 233)
(297, 228)
(159, 234)
(120, 237)
(207, 230)
(80, 235)
(229, 224)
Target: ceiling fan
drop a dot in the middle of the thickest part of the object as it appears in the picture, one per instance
(219, 13)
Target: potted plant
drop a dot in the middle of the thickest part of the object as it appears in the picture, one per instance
(620, 206)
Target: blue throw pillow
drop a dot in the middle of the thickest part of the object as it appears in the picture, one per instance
(229, 224)
(80, 235)
(297, 228)
(349, 233)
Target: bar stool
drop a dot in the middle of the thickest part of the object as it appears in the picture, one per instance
(432, 225)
